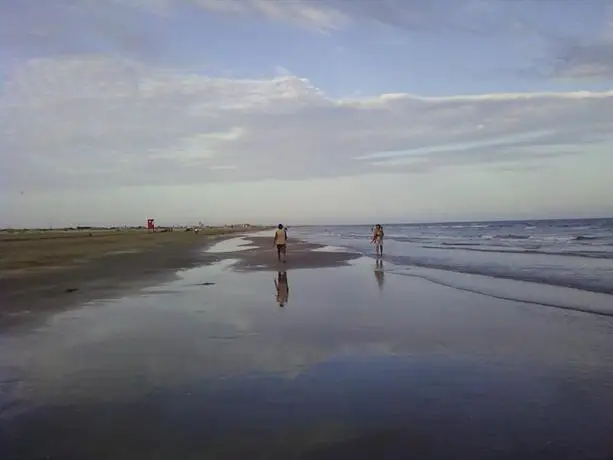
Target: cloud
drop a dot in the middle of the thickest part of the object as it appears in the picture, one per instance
(90, 121)
(137, 28)
(145, 29)
(321, 15)
(155, 31)
(33, 28)
(568, 57)
(489, 16)
(580, 57)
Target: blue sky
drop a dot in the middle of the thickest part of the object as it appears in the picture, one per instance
(255, 110)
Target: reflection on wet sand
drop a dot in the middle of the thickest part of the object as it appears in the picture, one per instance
(379, 273)
(182, 372)
(282, 288)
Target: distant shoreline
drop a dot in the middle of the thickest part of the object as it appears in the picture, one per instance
(30, 252)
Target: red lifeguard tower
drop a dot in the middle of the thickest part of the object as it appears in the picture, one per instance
(151, 225)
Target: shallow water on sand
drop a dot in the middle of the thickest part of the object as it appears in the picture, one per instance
(356, 364)
(231, 245)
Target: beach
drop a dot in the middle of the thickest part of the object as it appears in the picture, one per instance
(230, 354)
(45, 270)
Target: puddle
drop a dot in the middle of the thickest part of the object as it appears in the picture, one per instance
(231, 245)
(335, 249)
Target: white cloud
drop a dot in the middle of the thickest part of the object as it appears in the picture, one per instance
(115, 24)
(92, 121)
(319, 15)
(138, 29)
(469, 16)
(567, 57)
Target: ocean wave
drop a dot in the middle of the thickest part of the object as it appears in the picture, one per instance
(511, 236)
(409, 239)
(587, 238)
(601, 286)
(582, 307)
(467, 247)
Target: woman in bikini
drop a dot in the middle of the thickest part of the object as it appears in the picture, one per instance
(377, 240)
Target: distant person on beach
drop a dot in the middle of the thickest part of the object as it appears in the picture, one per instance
(282, 288)
(377, 239)
(280, 241)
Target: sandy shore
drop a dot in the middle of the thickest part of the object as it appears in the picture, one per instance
(357, 363)
(116, 273)
(300, 255)
(61, 272)
(30, 253)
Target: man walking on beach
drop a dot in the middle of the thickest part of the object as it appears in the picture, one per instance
(280, 242)
(282, 288)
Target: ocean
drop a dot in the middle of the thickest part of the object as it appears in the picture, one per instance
(555, 263)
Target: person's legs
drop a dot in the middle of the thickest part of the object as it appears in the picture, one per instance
(279, 249)
(284, 252)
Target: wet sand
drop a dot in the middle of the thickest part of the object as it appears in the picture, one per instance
(124, 271)
(30, 252)
(262, 255)
(46, 289)
(357, 364)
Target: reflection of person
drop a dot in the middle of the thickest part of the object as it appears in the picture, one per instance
(379, 273)
(282, 288)
(280, 241)
(377, 239)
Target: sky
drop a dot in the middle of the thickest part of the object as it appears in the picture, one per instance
(304, 111)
